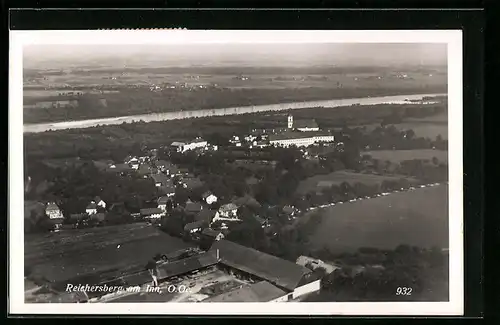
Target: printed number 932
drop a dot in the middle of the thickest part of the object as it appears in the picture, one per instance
(403, 291)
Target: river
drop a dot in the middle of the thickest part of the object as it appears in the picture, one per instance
(151, 117)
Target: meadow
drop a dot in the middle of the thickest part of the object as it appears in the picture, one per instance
(398, 156)
(416, 218)
(314, 183)
(70, 253)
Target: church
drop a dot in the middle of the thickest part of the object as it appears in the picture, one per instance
(302, 125)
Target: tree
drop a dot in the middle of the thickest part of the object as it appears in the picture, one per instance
(181, 195)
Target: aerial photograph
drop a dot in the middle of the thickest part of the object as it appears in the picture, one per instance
(236, 173)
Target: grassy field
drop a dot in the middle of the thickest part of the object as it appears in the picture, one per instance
(67, 254)
(428, 127)
(336, 178)
(401, 155)
(427, 130)
(418, 218)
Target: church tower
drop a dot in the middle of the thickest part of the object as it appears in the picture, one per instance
(290, 121)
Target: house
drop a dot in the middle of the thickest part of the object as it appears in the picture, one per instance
(53, 211)
(228, 210)
(211, 234)
(162, 202)
(152, 213)
(209, 197)
(193, 207)
(178, 146)
(100, 202)
(207, 215)
(133, 162)
(121, 169)
(197, 143)
(91, 208)
(160, 180)
(168, 189)
(194, 227)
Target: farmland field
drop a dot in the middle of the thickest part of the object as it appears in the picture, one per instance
(427, 127)
(417, 218)
(128, 91)
(426, 130)
(336, 178)
(67, 254)
(401, 155)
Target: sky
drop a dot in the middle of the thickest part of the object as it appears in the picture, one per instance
(241, 54)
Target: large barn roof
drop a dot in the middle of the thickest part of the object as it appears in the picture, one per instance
(283, 273)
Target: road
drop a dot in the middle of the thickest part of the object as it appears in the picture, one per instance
(152, 117)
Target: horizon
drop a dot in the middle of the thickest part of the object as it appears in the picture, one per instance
(48, 56)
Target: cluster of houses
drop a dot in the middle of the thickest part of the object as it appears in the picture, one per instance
(167, 176)
(207, 220)
(95, 211)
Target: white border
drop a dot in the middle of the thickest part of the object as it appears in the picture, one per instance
(453, 38)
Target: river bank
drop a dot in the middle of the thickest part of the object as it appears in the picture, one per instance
(42, 127)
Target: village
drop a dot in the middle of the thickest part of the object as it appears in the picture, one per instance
(232, 203)
(168, 178)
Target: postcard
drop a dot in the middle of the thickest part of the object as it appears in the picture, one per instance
(250, 172)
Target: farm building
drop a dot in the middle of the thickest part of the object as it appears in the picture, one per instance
(152, 213)
(100, 202)
(228, 211)
(91, 208)
(209, 197)
(295, 279)
(162, 202)
(194, 227)
(53, 211)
